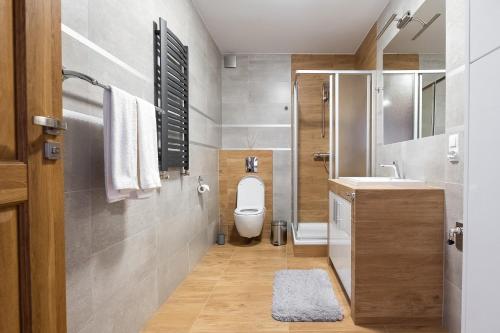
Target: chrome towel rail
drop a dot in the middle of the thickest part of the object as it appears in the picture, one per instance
(69, 74)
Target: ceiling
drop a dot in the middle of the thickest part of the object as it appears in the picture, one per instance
(432, 40)
(289, 26)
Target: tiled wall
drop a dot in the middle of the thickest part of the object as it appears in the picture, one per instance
(124, 259)
(432, 61)
(425, 158)
(256, 114)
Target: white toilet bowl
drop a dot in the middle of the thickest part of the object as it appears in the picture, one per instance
(249, 221)
(250, 211)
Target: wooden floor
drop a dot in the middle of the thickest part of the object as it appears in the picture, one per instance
(230, 290)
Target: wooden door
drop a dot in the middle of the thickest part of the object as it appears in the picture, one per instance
(32, 276)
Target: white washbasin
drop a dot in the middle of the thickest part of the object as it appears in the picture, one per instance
(358, 181)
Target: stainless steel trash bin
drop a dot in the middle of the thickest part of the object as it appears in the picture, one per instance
(278, 232)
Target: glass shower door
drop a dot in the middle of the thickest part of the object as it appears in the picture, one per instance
(331, 138)
(352, 125)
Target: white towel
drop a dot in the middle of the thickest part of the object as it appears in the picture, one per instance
(120, 144)
(149, 173)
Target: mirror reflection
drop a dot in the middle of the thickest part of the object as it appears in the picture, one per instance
(414, 74)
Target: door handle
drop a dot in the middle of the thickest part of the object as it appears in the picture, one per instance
(50, 125)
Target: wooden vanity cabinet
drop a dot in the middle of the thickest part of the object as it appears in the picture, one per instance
(396, 245)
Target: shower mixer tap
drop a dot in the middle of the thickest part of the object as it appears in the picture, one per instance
(320, 156)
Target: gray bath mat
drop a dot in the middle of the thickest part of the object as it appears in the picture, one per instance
(304, 295)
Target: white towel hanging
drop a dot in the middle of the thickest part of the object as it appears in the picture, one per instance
(120, 144)
(149, 173)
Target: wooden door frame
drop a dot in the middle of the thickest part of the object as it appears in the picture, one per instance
(38, 86)
(22, 156)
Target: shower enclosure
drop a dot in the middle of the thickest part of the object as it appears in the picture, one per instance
(332, 121)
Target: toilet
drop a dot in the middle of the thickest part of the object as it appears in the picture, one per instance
(250, 211)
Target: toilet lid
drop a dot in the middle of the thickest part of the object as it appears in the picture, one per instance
(250, 193)
(248, 211)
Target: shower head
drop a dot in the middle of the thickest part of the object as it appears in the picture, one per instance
(403, 21)
(425, 25)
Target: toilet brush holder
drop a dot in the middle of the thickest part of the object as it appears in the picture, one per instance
(221, 237)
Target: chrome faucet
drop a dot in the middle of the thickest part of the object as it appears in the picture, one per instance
(394, 167)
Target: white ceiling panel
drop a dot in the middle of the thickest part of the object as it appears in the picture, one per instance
(289, 26)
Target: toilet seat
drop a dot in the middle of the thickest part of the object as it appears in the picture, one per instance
(248, 211)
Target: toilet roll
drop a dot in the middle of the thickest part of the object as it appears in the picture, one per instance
(203, 188)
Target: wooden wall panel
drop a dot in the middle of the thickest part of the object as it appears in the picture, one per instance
(366, 55)
(401, 61)
(231, 170)
(322, 61)
(313, 178)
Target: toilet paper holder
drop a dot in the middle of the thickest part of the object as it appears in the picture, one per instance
(202, 188)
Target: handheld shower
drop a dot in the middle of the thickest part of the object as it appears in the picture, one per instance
(325, 96)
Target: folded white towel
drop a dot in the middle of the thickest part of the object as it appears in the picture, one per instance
(149, 173)
(120, 144)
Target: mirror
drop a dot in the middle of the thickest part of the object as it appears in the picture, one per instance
(414, 101)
